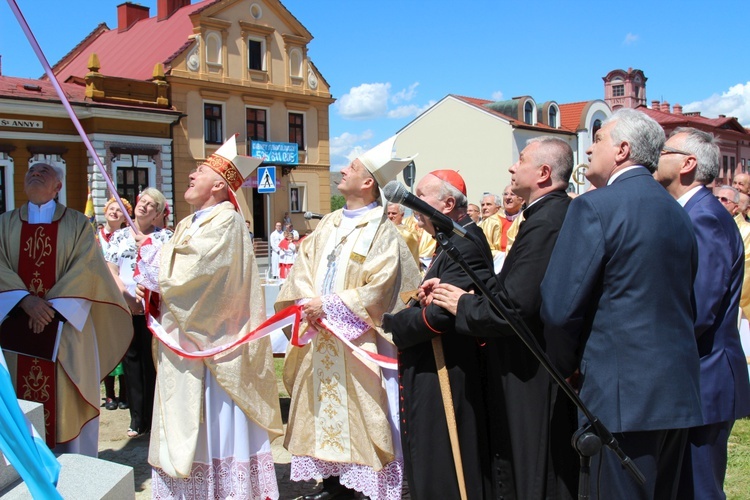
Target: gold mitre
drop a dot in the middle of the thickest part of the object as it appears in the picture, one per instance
(379, 161)
(232, 167)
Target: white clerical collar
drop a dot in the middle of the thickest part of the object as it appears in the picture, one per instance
(359, 212)
(682, 200)
(41, 214)
(620, 172)
(202, 213)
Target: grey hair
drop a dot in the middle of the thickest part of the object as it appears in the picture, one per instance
(59, 172)
(736, 197)
(644, 135)
(447, 189)
(703, 146)
(496, 199)
(556, 153)
(157, 196)
(401, 208)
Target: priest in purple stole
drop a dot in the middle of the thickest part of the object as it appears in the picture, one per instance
(51, 271)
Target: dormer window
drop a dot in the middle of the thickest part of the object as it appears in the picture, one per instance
(553, 116)
(528, 113)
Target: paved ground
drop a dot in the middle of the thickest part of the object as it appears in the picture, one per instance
(115, 446)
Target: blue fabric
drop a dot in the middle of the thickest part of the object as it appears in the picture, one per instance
(30, 456)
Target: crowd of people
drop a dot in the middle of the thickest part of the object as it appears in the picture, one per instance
(406, 372)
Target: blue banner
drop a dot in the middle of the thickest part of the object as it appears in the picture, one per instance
(276, 153)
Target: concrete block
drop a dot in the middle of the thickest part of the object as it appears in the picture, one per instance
(84, 478)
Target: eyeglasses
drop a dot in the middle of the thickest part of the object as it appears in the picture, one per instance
(672, 151)
(725, 200)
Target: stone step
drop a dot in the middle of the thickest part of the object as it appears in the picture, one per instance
(81, 477)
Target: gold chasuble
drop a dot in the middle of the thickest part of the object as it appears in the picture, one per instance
(339, 409)
(204, 268)
(80, 272)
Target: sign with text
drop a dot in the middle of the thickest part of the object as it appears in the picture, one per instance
(276, 153)
(12, 122)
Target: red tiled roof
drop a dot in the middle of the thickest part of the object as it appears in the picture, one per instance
(133, 53)
(12, 87)
(663, 118)
(570, 114)
(480, 103)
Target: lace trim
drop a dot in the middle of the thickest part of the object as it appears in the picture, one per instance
(224, 478)
(384, 484)
(147, 265)
(342, 318)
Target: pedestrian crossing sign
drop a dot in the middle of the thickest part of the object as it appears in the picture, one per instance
(266, 179)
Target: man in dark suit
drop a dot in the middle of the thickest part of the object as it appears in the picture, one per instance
(617, 302)
(689, 161)
(522, 399)
(428, 458)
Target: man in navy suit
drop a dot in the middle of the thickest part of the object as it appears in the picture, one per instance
(689, 161)
(617, 303)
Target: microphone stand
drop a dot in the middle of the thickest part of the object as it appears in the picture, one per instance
(587, 440)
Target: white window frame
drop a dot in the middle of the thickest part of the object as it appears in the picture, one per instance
(263, 49)
(268, 123)
(56, 160)
(304, 126)
(6, 161)
(557, 116)
(301, 188)
(141, 161)
(223, 123)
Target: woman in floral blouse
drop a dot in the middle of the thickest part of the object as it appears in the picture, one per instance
(115, 220)
(140, 373)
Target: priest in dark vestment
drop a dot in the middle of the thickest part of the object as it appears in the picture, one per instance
(531, 422)
(425, 439)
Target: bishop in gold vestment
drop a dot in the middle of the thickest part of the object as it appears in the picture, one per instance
(343, 419)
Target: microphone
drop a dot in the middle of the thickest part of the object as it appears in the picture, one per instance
(313, 215)
(395, 192)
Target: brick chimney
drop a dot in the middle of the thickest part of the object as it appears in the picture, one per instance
(677, 109)
(128, 14)
(655, 105)
(165, 8)
(665, 107)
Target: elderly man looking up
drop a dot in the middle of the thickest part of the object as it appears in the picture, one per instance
(637, 356)
(424, 426)
(68, 281)
(689, 161)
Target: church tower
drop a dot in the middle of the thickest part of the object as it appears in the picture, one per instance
(625, 89)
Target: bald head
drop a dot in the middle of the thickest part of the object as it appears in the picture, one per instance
(741, 183)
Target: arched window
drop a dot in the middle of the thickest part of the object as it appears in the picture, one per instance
(213, 48)
(596, 127)
(528, 113)
(553, 116)
(133, 174)
(295, 63)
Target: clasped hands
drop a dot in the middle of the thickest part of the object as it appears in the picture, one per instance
(443, 295)
(40, 312)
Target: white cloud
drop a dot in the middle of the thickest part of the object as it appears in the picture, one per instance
(497, 95)
(408, 110)
(734, 102)
(630, 39)
(347, 146)
(369, 100)
(405, 95)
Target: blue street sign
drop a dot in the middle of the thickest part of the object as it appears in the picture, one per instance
(266, 179)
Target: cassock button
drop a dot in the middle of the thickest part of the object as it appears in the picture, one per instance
(403, 420)
(402, 398)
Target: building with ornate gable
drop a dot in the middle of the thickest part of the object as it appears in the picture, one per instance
(129, 123)
(233, 67)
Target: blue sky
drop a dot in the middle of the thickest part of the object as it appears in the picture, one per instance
(388, 60)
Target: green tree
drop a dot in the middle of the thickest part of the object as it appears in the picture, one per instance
(337, 201)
